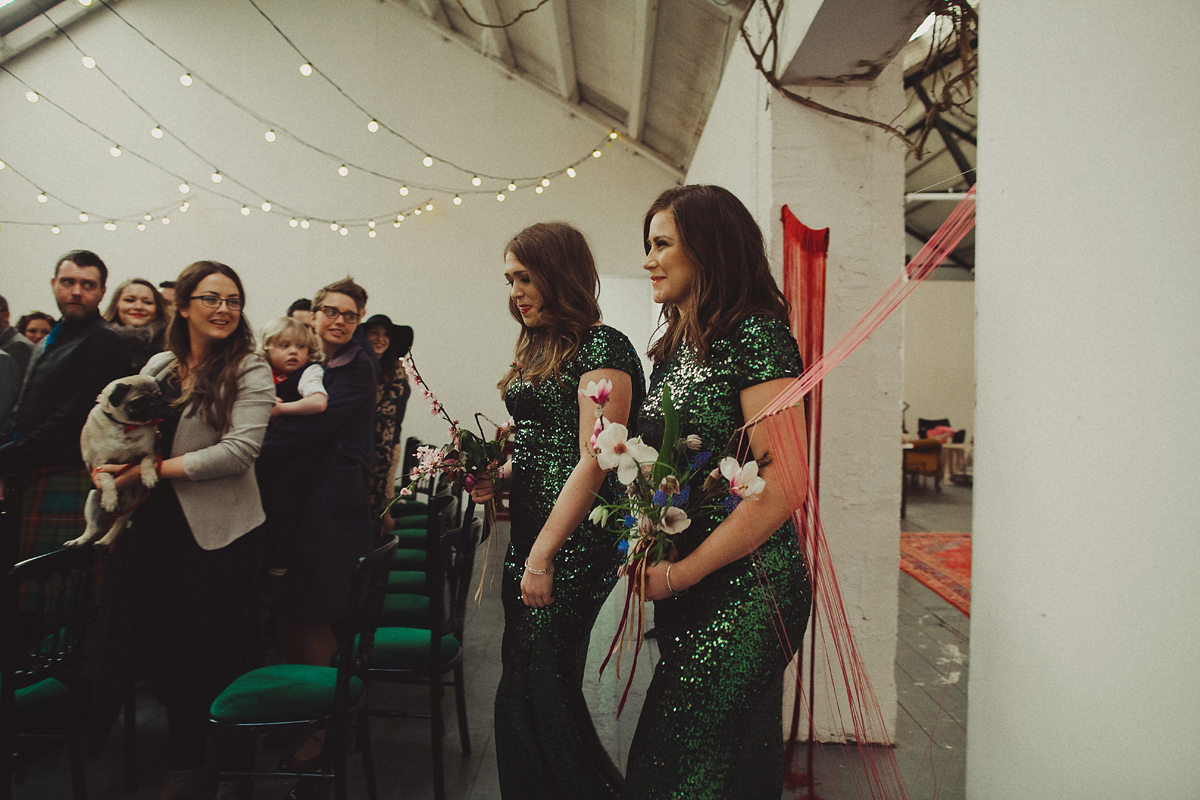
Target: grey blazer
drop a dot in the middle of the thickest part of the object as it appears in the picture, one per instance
(220, 495)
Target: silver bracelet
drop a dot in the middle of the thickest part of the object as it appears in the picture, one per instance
(547, 571)
(669, 586)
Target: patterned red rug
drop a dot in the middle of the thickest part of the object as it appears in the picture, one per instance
(941, 561)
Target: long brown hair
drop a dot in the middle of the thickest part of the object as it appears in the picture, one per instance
(562, 269)
(160, 303)
(733, 277)
(215, 386)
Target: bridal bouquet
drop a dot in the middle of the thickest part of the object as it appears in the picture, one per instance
(664, 492)
(467, 458)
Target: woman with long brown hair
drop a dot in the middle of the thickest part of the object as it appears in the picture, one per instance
(559, 568)
(736, 592)
(193, 546)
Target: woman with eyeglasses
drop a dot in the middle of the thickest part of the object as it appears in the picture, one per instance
(193, 544)
(335, 527)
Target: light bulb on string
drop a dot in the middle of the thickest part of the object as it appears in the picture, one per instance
(404, 191)
(476, 181)
(186, 80)
(396, 224)
(570, 172)
(596, 154)
(141, 226)
(457, 200)
(427, 161)
(89, 62)
(166, 220)
(184, 206)
(343, 170)
(613, 134)
(216, 176)
(539, 189)
(2, 165)
(85, 3)
(245, 211)
(399, 218)
(429, 206)
(371, 224)
(333, 226)
(545, 181)
(115, 151)
(110, 226)
(42, 197)
(304, 224)
(157, 132)
(343, 230)
(417, 212)
(32, 96)
(148, 217)
(500, 197)
(184, 188)
(55, 230)
(269, 136)
(266, 206)
(373, 126)
(292, 222)
(83, 216)
(512, 187)
(306, 69)
(372, 233)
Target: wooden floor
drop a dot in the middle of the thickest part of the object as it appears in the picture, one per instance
(931, 675)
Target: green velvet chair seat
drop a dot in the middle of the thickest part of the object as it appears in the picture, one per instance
(410, 520)
(281, 693)
(405, 611)
(408, 559)
(412, 537)
(46, 698)
(408, 648)
(406, 581)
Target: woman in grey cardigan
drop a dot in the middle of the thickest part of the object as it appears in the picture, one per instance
(194, 548)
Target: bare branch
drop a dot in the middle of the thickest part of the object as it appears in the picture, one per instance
(509, 24)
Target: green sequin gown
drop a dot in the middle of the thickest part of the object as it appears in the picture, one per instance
(546, 744)
(711, 724)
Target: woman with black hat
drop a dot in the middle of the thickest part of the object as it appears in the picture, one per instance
(389, 342)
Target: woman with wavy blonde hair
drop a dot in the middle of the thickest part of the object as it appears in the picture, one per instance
(559, 568)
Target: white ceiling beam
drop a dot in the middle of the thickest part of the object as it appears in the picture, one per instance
(645, 25)
(564, 50)
(433, 9)
(487, 11)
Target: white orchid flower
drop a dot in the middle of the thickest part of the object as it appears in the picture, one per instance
(599, 515)
(743, 480)
(616, 451)
(674, 520)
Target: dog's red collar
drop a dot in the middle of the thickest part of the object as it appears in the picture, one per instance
(130, 427)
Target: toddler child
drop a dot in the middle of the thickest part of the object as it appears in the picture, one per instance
(294, 352)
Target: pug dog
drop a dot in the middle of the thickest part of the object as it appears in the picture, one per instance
(122, 428)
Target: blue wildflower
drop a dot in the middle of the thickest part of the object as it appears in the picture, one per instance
(630, 522)
(623, 546)
(659, 499)
(700, 459)
(681, 499)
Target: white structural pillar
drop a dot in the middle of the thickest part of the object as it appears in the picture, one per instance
(1085, 644)
(848, 177)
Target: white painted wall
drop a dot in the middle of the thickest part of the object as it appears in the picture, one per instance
(939, 354)
(1086, 578)
(850, 179)
(440, 273)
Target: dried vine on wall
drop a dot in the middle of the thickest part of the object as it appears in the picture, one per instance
(958, 48)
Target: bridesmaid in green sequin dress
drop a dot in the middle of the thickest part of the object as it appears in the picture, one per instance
(559, 569)
(733, 600)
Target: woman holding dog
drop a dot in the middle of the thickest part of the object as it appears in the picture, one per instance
(193, 548)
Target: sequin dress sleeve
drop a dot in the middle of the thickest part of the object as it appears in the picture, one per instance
(546, 744)
(711, 723)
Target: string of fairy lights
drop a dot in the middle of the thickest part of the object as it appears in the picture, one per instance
(500, 186)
